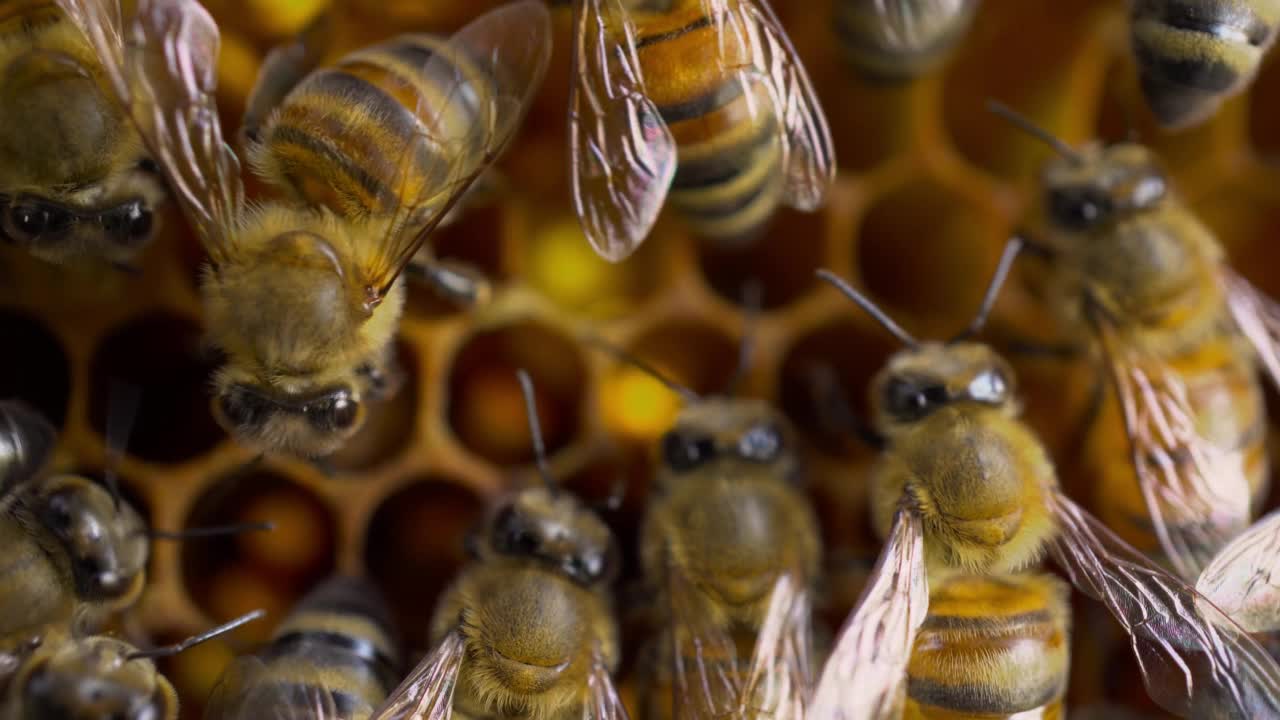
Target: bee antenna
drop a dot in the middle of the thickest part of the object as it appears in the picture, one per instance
(870, 307)
(535, 428)
(1011, 250)
(752, 299)
(687, 394)
(211, 531)
(1027, 125)
(122, 411)
(170, 650)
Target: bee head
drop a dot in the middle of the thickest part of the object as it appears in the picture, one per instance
(26, 440)
(554, 527)
(94, 679)
(104, 539)
(741, 433)
(308, 423)
(1101, 183)
(919, 381)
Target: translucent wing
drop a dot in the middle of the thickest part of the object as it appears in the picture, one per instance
(603, 702)
(1244, 579)
(1195, 662)
(246, 691)
(865, 676)
(780, 678)
(486, 74)
(162, 66)
(1258, 317)
(622, 156)
(705, 682)
(755, 45)
(1197, 494)
(427, 694)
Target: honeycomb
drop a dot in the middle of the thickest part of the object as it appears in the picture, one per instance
(930, 186)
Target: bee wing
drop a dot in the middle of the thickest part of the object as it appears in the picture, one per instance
(750, 29)
(510, 48)
(603, 702)
(705, 683)
(1244, 579)
(1195, 661)
(1258, 317)
(779, 682)
(622, 156)
(865, 676)
(1197, 495)
(245, 691)
(427, 694)
(162, 66)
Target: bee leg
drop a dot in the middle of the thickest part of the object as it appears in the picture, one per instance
(457, 282)
(284, 67)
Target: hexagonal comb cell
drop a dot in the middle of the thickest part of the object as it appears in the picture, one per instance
(486, 409)
(159, 356)
(781, 262)
(954, 248)
(227, 576)
(33, 366)
(694, 354)
(414, 546)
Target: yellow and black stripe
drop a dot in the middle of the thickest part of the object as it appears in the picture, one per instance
(338, 641)
(897, 49)
(1193, 53)
(1226, 395)
(729, 176)
(340, 138)
(991, 647)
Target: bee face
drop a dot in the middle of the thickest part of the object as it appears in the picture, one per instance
(310, 424)
(554, 528)
(93, 679)
(1102, 184)
(50, 227)
(917, 382)
(731, 434)
(105, 542)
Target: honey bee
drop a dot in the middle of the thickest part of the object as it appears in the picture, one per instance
(1136, 277)
(75, 180)
(303, 300)
(1244, 578)
(897, 40)
(1194, 54)
(94, 677)
(705, 99)
(527, 629)
(333, 658)
(731, 544)
(1011, 635)
(75, 553)
(963, 486)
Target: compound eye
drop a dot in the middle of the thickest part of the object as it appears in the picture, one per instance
(762, 443)
(682, 452)
(241, 409)
(337, 411)
(512, 535)
(26, 222)
(1078, 208)
(133, 223)
(908, 401)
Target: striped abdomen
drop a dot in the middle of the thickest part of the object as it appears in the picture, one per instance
(340, 138)
(1226, 398)
(338, 642)
(729, 178)
(897, 41)
(991, 647)
(1192, 54)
